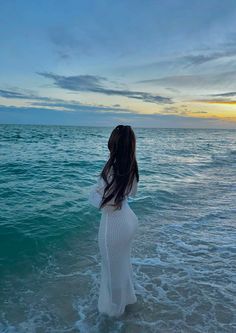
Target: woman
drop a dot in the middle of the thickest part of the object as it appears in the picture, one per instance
(118, 224)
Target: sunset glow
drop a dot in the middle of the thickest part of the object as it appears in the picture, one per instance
(149, 64)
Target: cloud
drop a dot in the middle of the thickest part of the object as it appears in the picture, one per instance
(95, 84)
(199, 112)
(179, 62)
(195, 80)
(217, 55)
(170, 109)
(199, 59)
(183, 110)
(76, 106)
(28, 115)
(174, 90)
(216, 101)
(24, 94)
(13, 94)
(228, 94)
(49, 102)
(219, 98)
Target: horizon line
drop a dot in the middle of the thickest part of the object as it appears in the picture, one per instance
(100, 126)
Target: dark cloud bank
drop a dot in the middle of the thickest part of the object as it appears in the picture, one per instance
(95, 84)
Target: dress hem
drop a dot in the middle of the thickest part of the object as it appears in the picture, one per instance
(118, 315)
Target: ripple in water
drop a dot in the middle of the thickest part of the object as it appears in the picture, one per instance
(184, 254)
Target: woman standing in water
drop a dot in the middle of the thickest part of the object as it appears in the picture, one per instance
(118, 225)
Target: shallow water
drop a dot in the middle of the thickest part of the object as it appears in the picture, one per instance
(184, 254)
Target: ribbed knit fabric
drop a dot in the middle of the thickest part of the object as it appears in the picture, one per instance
(116, 231)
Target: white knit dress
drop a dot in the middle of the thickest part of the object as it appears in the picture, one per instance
(116, 232)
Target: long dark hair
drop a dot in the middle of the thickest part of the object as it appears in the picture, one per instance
(123, 164)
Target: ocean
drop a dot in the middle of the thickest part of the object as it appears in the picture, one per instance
(184, 253)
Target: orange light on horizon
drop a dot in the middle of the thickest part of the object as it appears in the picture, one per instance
(216, 102)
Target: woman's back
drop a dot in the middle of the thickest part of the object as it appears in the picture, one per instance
(98, 190)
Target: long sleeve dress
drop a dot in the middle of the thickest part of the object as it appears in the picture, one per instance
(116, 232)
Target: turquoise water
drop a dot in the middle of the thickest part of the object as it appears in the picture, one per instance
(184, 254)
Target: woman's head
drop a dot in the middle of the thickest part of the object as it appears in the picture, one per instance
(122, 161)
(122, 144)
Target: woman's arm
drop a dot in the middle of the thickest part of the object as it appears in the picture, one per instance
(96, 193)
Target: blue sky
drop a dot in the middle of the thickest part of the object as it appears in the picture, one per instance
(100, 63)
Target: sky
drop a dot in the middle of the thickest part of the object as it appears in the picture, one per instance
(143, 63)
